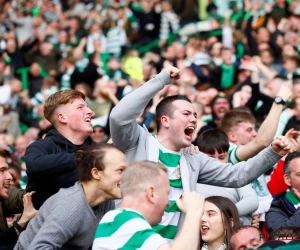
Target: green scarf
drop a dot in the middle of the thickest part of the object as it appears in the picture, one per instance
(227, 76)
(292, 199)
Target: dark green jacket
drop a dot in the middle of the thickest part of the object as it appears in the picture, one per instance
(12, 205)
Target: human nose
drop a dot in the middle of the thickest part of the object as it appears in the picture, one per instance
(254, 133)
(8, 176)
(89, 111)
(203, 218)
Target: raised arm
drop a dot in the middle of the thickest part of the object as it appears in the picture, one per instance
(267, 130)
(123, 126)
(213, 172)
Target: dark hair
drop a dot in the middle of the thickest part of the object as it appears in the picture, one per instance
(3, 154)
(280, 77)
(165, 107)
(288, 160)
(229, 214)
(240, 228)
(91, 157)
(285, 233)
(296, 79)
(211, 140)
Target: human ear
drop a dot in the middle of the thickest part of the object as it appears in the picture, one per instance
(150, 194)
(287, 180)
(165, 121)
(231, 136)
(231, 222)
(96, 173)
(61, 118)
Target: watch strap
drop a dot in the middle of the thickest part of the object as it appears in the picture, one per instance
(17, 226)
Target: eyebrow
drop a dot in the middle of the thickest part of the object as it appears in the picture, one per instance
(212, 211)
(190, 112)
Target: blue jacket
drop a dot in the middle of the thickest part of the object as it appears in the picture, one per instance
(282, 214)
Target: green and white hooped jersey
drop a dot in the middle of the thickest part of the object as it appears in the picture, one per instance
(168, 226)
(126, 229)
(232, 157)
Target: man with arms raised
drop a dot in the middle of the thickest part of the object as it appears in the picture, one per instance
(145, 189)
(176, 123)
(51, 162)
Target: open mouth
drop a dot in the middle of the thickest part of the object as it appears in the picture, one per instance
(7, 186)
(87, 120)
(204, 229)
(189, 132)
(222, 110)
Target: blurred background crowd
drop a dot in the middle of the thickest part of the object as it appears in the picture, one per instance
(107, 48)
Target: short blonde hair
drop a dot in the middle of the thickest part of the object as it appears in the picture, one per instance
(139, 175)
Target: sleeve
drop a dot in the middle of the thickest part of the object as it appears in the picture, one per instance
(60, 226)
(248, 200)
(277, 218)
(14, 203)
(41, 159)
(124, 129)
(283, 120)
(5, 94)
(276, 184)
(8, 237)
(15, 19)
(252, 42)
(213, 172)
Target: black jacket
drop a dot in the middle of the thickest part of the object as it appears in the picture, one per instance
(282, 214)
(50, 164)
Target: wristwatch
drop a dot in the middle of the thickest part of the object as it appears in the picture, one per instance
(279, 100)
(17, 226)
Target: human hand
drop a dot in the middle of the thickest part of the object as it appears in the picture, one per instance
(191, 149)
(191, 202)
(255, 220)
(248, 63)
(282, 145)
(173, 72)
(293, 136)
(284, 92)
(29, 211)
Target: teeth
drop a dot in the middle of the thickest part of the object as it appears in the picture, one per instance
(87, 120)
(192, 128)
(204, 227)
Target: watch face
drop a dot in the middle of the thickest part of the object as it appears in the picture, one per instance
(278, 99)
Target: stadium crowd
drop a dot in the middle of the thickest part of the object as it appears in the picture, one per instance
(150, 124)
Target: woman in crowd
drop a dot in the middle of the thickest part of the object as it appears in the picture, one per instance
(68, 219)
(220, 219)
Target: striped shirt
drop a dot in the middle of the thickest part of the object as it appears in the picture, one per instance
(168, 226)
(169, 19)
(113, 45)
(65, 81)
(232, 157)
(126, 229)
